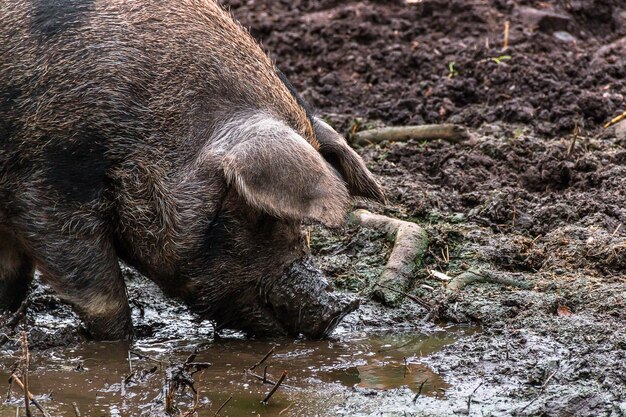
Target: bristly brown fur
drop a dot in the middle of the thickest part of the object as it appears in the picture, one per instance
(125, 128)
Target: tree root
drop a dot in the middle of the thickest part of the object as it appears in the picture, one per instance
(411, 242)
(458, 283)
(450, 133)
(474, 277)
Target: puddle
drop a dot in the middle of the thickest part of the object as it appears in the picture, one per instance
(320, 374)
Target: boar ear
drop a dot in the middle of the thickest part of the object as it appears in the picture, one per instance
(279, 172)
(342, 157)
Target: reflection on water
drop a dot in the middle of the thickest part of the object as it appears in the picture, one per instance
(96, 375)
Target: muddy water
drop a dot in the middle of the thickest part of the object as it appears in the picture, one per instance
(321, 374)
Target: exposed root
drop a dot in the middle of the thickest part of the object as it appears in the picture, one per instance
(450, 133)
(474, 277)
(411, 242)
(456, 284)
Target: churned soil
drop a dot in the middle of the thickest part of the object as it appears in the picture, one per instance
(537, 194)
(434, 61)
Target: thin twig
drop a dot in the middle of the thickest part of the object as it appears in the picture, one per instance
(130, 363)
(142, 356)
(284, 410)
(30, 395)
(222, 406)
(25, 372)
(267, 355)
(418, 300)
(267, 380)
(420, 390)
(469, 399)
(541, 389)
(575, 134)
(273, 390)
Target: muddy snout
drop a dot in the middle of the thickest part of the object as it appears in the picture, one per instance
(305, 303)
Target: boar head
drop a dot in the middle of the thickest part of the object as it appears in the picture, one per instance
(260, 277)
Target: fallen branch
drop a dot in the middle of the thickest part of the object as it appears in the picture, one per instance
(473, 277)
(411, 242)
(31, 397)
(273, 390)
(449, 133)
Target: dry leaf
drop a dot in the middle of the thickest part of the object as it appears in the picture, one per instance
(563, 311)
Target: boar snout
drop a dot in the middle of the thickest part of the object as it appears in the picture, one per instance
(304, 302)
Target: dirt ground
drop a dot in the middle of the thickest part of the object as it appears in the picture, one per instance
(516, 199)
(513, 199)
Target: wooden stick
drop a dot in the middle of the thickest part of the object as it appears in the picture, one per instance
(447, 132)
(273, 390)
(31, 397)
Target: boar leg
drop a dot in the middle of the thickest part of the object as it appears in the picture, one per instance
(16, 272)
(84, 271)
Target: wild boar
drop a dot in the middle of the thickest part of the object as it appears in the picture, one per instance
(160, 133)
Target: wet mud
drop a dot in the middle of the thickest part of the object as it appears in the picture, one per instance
(122, 379)
(537, 194)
